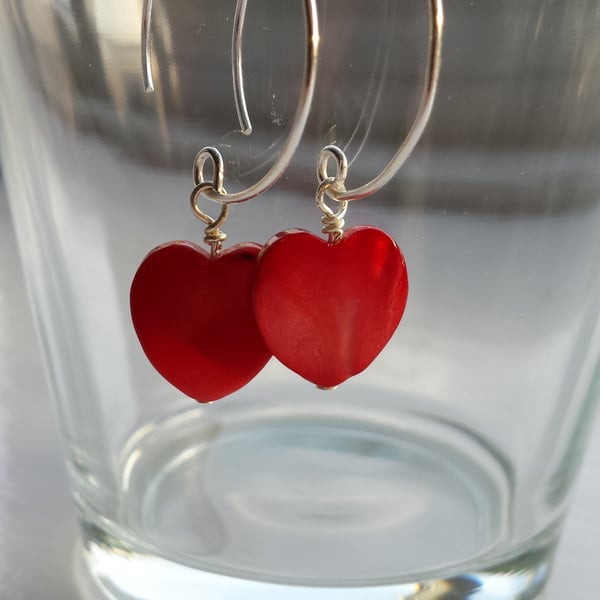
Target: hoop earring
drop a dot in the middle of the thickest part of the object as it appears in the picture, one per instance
(192, 310)
(327, 308)
(237, 69)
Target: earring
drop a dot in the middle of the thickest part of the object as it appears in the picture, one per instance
(191, 309)
(327, 308)
(236, 60)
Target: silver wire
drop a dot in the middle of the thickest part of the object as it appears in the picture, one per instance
(237, 67)
(375, 86)
(146, 60)
(298, 121)
(236, 60)
(436, 27)
(333, 221)
(213, 236)
(302, 110)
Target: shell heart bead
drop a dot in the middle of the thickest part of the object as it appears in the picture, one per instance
(326, 310)
(194, 318)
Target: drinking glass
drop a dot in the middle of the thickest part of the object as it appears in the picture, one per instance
(441, 471)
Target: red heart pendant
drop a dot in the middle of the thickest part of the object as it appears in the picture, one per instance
(326, 310)
(194, 318)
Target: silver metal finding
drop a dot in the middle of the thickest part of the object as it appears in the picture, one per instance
(237, 67)
(335, 152)
(210, 153)
(236, 59)
(302, 110)
(436, 27)
(213, 236)
(333, 221)
(298, 121)
(146, 60)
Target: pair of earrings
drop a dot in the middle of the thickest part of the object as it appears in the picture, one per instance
(210, 321)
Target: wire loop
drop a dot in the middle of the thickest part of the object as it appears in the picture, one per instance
(202, 189)
(212, 154)
(339, 179)
(213, 236)
(333, 221)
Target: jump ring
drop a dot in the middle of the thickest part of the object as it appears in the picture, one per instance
(339, 179)
(212, 154)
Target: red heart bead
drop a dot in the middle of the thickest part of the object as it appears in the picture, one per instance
(326, 310)
(194, 318)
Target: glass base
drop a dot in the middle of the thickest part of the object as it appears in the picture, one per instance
(311, 503)
(108, 573)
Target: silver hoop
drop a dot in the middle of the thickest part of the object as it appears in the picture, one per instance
(436, 27)
(302, 109)
(237, 67)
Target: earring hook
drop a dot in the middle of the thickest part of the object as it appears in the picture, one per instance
(237, 67)
(146, 61)
(436, 27)
(296, 128)
(236, 60)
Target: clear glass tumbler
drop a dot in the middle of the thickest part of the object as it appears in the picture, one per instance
(444, 469)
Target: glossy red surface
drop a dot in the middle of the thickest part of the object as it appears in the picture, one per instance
(193, 316)
(327, 310)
